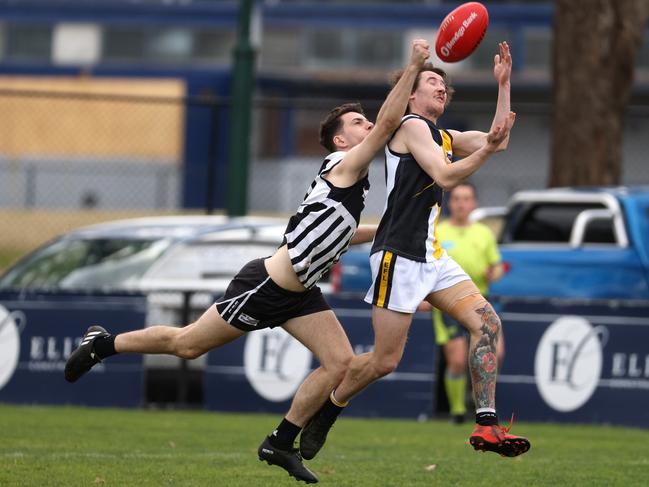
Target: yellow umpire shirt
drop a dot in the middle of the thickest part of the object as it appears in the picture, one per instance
(473, 247)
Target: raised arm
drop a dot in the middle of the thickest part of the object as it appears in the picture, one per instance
(394, 107)
(502, 73)
(431, 158)
(465, 143)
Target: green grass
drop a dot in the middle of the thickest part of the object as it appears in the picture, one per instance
(65, 446)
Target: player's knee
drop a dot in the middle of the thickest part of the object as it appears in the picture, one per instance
(187, 351)
(386, 365)
(456, 358)
(489, 322)
(338, 371)
(185, 348)
(495, 324)
(456, 365)
(339, 365)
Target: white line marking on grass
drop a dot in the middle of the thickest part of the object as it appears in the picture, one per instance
(134, 455)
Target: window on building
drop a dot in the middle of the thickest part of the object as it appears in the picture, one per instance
(379, 50)
(326, 48)
(483, 57)
(280, 49)
(353, 48)
(28, 42)
(123, 43)
(169, 45)
(177, 45)
(213, 46)
(538, 49)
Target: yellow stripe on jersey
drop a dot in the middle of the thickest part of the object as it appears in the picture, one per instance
(385, 273)
(447, 146)
(437, 248)
(427, 187)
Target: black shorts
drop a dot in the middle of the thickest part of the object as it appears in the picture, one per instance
(253, 301)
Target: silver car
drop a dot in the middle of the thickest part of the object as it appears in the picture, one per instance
(181, 265)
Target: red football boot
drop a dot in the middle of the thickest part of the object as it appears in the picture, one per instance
(497, 439)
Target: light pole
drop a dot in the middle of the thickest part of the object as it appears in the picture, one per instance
(240, 114)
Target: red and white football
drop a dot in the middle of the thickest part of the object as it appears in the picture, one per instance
(461, 32)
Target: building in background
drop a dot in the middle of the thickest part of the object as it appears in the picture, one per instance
(124, 105)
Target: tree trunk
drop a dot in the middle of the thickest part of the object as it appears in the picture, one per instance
(595, 44)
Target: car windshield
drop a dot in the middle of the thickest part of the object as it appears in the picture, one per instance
(86, 264)
(209, 260)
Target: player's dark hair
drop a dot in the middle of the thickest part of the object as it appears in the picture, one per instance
(427, 67)
(331, 124)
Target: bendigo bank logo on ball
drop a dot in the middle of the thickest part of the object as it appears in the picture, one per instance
(448, 46)
(461, 32)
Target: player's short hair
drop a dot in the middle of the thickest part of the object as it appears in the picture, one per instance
(427, 67)
(331, 124)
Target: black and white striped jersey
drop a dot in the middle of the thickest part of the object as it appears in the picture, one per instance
(320, 232)
(414, 203)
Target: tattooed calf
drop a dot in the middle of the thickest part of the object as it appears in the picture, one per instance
(482, 358)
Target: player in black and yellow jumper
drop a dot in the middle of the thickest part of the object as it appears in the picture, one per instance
(408, 263)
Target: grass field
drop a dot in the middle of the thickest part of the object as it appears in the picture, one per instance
(65, 446)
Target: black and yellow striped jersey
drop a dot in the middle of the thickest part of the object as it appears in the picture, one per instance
(409, 222)
(321, 230)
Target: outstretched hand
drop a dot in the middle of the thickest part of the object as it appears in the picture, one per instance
(500, 132)
(503, 64)
(420, 52)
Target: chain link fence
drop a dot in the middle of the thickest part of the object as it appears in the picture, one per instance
(278, 180)
(79, 151)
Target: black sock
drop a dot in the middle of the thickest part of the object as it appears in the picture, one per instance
(486, 418)
(104, 346)
(284, 436)
(330, 409)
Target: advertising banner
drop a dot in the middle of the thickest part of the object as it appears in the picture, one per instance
(578, 362)
(39, 331)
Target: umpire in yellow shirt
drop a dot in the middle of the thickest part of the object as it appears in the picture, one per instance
(473, 246)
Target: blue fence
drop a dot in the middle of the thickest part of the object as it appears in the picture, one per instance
(578, 362)
(39, 331)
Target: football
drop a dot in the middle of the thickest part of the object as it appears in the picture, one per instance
(461, 32)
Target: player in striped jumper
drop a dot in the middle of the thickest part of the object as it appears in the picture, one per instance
(409, 265)
(281, 290)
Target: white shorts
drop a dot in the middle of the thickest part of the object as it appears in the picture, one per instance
(401, 284)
